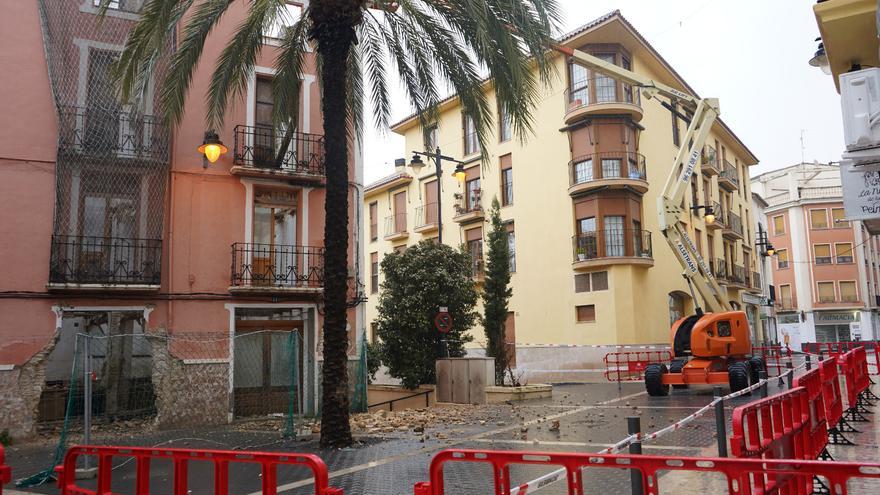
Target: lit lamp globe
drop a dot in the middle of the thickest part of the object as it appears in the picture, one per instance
(212, 147)
(771, 250)
(709, 217)
(459, 173)
(820, 59)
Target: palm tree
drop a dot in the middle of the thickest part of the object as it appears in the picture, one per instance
(433, 44)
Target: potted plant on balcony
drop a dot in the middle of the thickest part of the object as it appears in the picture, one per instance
(582, 253)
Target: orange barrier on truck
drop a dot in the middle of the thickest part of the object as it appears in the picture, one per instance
(630, 366)
(221, 460)
(812, 382)
(776, 427)
(744, 476)
(5, 471)
(775, 358)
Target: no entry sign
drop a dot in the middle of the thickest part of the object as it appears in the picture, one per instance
(443, 322)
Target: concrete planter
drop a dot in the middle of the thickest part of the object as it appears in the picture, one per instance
(495, 395)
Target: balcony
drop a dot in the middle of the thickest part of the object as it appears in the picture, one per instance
(719, 217)
(264, 152)
(785, 305)
(469, 211)
(426, 218)
(611, 169)
(395, 227)
(273, 268)
(612, 247)
(755, 285)
(90, 134)
(104, 263)
(609, 97)
(732, 228)
(709, 162)
(478, 270)
(719, 270)
(738, 277)
(728, 178)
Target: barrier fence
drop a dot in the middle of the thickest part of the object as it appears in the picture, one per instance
(181, 459)
(812, 382)
(5, 471)
(743, 476)
(630, 366)
(837, 349)
(776, 358)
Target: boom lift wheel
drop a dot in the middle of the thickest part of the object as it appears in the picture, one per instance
(757, 365)
(739, 374)
(675, 367)
(654, 380)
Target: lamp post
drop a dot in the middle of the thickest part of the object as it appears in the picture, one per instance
(762, 242)
(417, 164)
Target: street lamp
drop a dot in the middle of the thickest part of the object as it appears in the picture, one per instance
(212, 147)
(762, 242)
(416, 164)
(708, 213)
(820, 58)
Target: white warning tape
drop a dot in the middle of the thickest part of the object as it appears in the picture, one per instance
(559, 474)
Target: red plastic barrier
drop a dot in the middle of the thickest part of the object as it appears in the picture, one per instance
(775, 357)
(831, 392)
(836, 349)
(744, 476)
(630, 366)
(860, 367)
(847, 364)
(812, 382)
(5, 471)
(777, 427)
(221, 459)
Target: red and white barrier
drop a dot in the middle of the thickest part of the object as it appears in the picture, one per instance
(629, 366)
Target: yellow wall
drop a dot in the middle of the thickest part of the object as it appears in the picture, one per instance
(635, 307)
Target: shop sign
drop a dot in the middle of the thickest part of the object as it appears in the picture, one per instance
(836, 317)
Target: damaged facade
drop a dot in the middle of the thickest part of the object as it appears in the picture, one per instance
(185, 291)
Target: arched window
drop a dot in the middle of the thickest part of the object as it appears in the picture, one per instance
(676, 306)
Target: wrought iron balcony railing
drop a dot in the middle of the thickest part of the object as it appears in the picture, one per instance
(738, 275)
(607, 165)
(607, 90)
(426, 214)
(274, 149)
(710, 157)
(719, 214)
(721, 269)
(734, 223)
(99, 133)
(729, 172)
(395, 224)
(629, 243)
(278, 266)
(105, 260)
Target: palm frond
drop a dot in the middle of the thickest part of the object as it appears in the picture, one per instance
(173, 90)
(374, 57)
(355, 93)
(289, 67)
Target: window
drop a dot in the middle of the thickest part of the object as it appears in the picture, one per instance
(614, 236)
(676, 132)
(591, 282)
(586, 245)
(291, 15)
(627, 89)
(822, 254)
(471, 143)
(586, 313)
(582, 282)
(579, 86)
(610, 168)
(707, 192)
(473, 194)
(698, 239)
(819, 219)
(506, 180)
(111, 5)
(475, 248)
(676, 307)
(606, 87)
(848, 291)
(374, 221)
(431, 138)
(779, 225)
(844, 252)
(374, 332)
(374, 273)
(838, 216)
(599, 280)
(583, 171)
(511, 246)
(782, 259)
(504, 128)
(785, 296)
(826, 292)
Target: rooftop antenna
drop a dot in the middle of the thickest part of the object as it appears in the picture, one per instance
(802, 146)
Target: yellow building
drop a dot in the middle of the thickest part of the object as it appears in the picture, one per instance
(580, 199)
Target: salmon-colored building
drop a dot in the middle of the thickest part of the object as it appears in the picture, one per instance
(199, 284)
(825, 269)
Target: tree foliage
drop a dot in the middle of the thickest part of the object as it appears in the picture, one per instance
(417, 282)
(496, 293)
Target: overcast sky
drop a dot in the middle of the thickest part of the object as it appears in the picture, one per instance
(751, 54)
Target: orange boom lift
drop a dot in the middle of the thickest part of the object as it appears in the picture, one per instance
(714, 346)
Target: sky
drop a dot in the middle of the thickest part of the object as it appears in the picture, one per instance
(751, 54)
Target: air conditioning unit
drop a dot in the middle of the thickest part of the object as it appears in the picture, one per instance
(860, 102)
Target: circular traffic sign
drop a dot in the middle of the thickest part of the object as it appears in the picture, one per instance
(443, 322)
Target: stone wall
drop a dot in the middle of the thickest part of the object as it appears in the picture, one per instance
(194, 394)
(20, 390)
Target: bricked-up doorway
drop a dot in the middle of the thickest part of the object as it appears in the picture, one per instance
(267, 367)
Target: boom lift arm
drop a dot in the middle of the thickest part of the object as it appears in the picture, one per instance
(704, 111)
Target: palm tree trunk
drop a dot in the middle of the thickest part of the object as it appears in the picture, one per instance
(335, 37)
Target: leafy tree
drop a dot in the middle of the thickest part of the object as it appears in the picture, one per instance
(496, 293)
(433, 44)
(416, 283)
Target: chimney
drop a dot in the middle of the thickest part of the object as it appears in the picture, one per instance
(400, 165)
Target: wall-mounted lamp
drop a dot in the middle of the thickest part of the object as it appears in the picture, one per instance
(212, 147)
(708, 213)
(820, 58)
(459, 172)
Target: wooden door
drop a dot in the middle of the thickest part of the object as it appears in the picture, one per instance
(400, 212)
